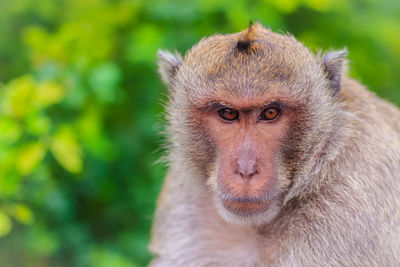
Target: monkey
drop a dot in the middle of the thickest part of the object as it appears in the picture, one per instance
(275, 158)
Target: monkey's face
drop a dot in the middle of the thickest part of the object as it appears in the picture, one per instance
(246, 112)
(248, 136)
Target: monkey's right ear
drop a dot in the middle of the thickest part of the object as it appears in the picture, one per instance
(334, 66)
(168, 65)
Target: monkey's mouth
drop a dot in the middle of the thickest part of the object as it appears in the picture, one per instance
(245, 206)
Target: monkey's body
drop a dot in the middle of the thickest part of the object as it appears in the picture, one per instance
(341, 207)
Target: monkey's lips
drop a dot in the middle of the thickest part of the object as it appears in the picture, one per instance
(245, 206)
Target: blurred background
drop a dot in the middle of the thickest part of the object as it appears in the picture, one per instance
(81, 109)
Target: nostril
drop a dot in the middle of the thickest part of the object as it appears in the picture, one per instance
(247, 171)
(246, 165)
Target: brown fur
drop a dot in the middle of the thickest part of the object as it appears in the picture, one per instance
(338, 166)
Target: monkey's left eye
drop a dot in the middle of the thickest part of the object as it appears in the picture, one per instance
(228, 114)
(270, 114)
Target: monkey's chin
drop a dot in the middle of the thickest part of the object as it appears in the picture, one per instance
(245, 207)
(247, 211)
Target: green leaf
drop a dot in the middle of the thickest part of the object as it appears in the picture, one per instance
(18, 100)
(320, 5)
(105, 258)
(41, 242)
(5, 224)
(22, 213)
(144, 44)
(105, 80)
(30, 155)
(38, 124)
(49, 93)
(286, 6)
(66, 149)
(10, 131)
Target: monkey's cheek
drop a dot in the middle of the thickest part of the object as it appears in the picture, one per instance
(245, 208)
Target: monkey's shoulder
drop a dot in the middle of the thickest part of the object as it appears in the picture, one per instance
(371, 108)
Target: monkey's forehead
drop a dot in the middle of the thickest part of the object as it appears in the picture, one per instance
(244, 59)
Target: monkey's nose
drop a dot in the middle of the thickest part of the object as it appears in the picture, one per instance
(246, 168)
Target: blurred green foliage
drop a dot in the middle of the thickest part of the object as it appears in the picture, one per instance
(80, 110)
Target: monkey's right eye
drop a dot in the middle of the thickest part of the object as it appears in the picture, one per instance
(228, 114)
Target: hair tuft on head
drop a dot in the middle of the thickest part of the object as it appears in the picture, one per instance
(243, 45)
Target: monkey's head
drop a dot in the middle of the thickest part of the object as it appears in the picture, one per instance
(251, 113)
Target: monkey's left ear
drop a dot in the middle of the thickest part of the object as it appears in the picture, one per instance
(333, 63)
(168, 65)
